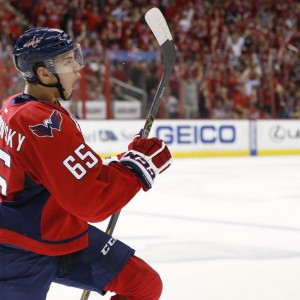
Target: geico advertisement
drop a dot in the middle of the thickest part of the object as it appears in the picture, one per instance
(275, 134)
(180, 135)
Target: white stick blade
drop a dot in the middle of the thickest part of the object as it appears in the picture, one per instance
(158, 25)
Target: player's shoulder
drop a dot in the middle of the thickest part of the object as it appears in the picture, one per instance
(20, 111)
(30, 107)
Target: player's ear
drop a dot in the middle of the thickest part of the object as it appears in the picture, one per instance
(44, 75)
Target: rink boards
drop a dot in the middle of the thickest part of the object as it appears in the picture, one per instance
(199, 138)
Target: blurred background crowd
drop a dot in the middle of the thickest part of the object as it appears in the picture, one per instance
(236, 59)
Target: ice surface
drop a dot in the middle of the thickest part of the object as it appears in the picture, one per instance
(217, 229)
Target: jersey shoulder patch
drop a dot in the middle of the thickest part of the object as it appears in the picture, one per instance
(45, 129)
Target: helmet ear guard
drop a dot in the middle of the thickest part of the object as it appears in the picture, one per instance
(34, 78)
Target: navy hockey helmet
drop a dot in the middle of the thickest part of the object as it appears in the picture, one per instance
(39, 47)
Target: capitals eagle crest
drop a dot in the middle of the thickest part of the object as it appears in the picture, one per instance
(50, 124)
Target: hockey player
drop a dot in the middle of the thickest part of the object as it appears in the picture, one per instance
(53, 185)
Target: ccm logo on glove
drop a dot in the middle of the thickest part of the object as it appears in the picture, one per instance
(147, 158)
(133, 155)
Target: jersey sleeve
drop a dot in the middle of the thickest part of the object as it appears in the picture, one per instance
(55, 155)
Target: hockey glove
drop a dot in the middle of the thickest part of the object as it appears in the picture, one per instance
(147, 158)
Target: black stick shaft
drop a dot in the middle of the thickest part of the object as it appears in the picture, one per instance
(169, 53)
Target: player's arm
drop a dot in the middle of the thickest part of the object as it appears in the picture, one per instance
(76, 177)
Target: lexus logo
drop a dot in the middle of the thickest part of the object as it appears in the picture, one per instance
(278, 134)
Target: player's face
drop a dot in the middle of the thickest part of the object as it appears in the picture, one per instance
(67, 66)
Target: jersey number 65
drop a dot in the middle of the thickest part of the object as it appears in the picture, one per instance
(78, 163)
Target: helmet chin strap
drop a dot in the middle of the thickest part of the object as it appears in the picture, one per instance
(57, 85)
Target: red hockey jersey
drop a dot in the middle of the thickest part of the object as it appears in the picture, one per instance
(51, 182)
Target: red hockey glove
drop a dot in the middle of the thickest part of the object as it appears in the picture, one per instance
(147, 158)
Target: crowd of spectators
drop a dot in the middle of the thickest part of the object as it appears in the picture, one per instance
(236, 58)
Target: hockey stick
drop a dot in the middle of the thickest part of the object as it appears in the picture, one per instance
(160, 29)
